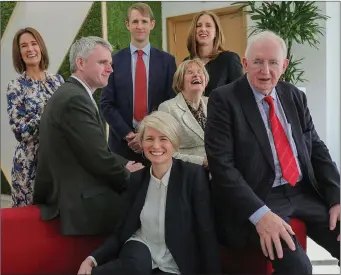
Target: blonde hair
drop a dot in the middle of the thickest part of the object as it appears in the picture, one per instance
(218, 42)
(164, 123)
(178, 79)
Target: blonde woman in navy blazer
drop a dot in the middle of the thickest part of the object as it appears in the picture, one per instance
(168, 228)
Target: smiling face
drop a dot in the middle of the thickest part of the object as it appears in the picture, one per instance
(157, 147)
(194, 79)
(29, 50)
(265, 64)
(205, 30)
(139, 27)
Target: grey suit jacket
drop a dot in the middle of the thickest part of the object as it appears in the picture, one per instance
(77, 176)
(192, 146)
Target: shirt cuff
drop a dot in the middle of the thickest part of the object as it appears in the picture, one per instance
(255, 217)
(93, 260)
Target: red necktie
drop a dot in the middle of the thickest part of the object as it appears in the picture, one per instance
(140, 101)
(284, 152)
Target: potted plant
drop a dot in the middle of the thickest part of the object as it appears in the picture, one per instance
(294, 21)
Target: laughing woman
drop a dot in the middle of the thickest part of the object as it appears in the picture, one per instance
(26, 97)
(189, 108)
(206, 41)
(168, 228)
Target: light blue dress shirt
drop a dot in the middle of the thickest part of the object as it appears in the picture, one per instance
(146, 58)
(263, 107)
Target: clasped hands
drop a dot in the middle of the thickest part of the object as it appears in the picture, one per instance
(133, 142)
(271, 228)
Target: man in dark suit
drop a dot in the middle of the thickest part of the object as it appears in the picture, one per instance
(141, 81)
(77, 176)
(268, 163)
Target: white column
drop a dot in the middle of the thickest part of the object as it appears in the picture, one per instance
(58, 23)
(333, 87)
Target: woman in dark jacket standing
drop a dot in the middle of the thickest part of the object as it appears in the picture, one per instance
(205, 41)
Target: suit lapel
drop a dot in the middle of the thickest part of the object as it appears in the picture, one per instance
(141, 196)
(253, 116)
(126, 74)
(291, 116)
(173, 203)
(154, 68)
(188, 118)
(76, 82)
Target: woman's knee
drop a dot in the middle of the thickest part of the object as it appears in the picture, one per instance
(136, 258)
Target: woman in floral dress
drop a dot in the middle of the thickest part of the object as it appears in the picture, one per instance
(27, 96)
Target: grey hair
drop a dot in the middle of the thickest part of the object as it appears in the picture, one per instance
(164, 123)
(265, 35)
(83, 47)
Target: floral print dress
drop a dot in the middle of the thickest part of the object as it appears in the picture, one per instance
(26, 100)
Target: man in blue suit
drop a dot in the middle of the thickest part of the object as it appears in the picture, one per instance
(141, 81)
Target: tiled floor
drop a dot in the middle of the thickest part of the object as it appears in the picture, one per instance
(322, 261)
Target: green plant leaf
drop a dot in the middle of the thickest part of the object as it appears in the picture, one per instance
(295, 21)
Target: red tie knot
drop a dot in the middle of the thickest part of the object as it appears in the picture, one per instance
(139, 53)
(269, 99)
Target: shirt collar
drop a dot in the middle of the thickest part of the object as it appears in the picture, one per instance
(86, 88)
(165, 178)
(145, 49)
(81, 82)
(259, 96)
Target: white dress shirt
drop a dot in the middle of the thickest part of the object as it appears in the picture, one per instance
(152, 231)
(87, 89)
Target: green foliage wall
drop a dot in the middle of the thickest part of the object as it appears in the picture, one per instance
(6, 9)
(91, 26)
(6, 12)
(119, 36)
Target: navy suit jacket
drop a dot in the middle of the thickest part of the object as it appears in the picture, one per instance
(117, 97)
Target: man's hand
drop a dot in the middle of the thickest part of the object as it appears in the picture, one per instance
(133, 166)
(205, 163)
(270, 229)
(135, 144)
(130, 136)
(86, 267)
(334, 216)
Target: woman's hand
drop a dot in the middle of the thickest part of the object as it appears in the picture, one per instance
(86, 267)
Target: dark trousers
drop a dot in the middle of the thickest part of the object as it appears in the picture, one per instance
(301, 202)
(134, 259)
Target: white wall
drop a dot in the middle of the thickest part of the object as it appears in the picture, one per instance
(333, 125)
(58, 23)
(320, 67)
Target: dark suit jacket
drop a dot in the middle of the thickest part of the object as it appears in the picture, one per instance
(117, 98)
(224, 69)
(240, 158)
(189, 235)
(77, 176)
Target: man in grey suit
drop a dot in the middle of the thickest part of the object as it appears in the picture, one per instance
(78, 178)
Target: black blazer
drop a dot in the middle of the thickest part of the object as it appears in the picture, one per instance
(224, 69)
(240, 158)
(117, 97)
(77, 176)
(189, 235)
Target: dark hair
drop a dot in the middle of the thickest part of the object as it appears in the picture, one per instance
(218, 42)
(18, 62)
